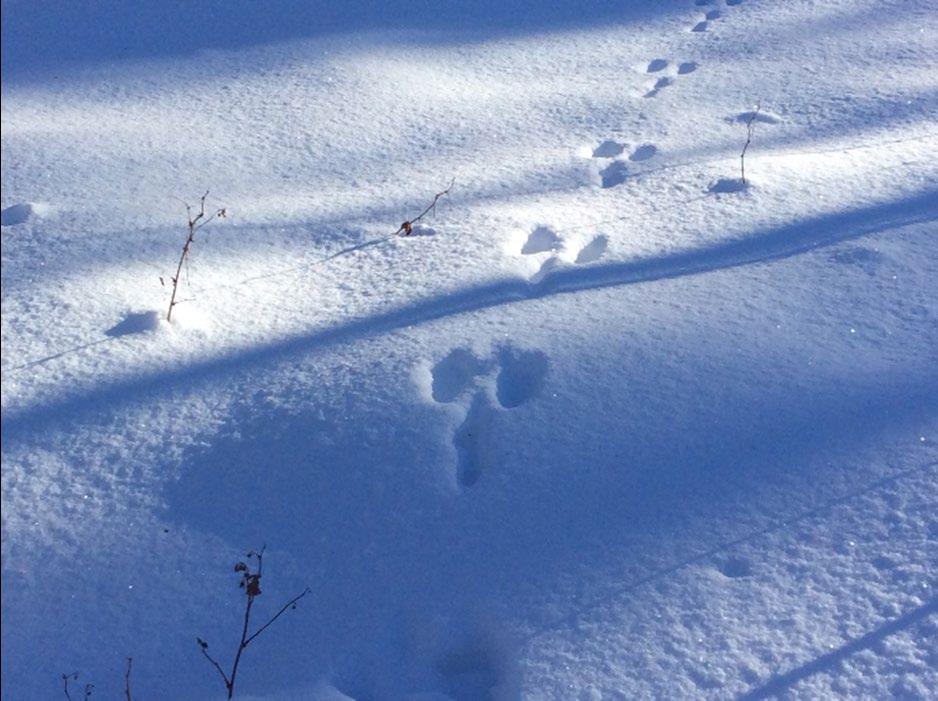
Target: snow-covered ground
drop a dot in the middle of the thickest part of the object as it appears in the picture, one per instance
(609, 427)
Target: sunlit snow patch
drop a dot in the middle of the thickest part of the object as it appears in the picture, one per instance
(188, 317)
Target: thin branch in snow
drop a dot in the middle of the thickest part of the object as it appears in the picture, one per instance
(65, 678)
(407, 228)
(251, 583)
(130, 664)
(750, 126)
(194, 223)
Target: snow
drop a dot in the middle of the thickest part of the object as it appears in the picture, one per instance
(607, 425)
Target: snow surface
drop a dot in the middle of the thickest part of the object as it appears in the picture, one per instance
(611, 427)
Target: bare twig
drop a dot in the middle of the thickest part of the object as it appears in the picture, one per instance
(204, 646)
(407, 228)
(750, 125)
(130, 664)
(65, 678)
(251, 583)
(194, 223)
(290, 604)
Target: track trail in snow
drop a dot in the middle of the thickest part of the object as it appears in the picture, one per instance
(506, 380)
(762, 247)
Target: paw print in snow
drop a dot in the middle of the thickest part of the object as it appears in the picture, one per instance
(484, 387)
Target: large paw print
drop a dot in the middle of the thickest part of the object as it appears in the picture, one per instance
(508, 379)
(615, 170)
(544, 240)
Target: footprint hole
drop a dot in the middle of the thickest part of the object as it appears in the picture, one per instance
(540, 240)
(452, 375)
(608, 149)
(736, 568)
(644, 152)
(521, 376)
(593, 251)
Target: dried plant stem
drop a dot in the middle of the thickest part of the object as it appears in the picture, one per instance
(750, 125)
(130, 664)
(194, 224)
(250, 581)
(65, 678)
(407, 228)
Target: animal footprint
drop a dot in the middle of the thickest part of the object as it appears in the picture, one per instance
(656, 65)
(453, 374)
(736, 568)
(520, 377)
(613, 174)
(472, 441)
(461, 377)
(643, 152)
(16, 214)
(701, 26)
(608, 149)
(544, 239)
(616, 172)
(687, 67)
(659, 85)
(592, 251)
(540, 240)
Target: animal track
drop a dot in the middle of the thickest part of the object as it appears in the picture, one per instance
(544, 239)
(736, 567)
(608, 149)
(592, 251)
(659, 85)
(452, 375)
(16, 214)
(659, 65)
(463, 377)
(472, 442)
(540, 240)
(644, 152)
(613, 174)
(701, 26)
(521, 376)
(617, 171)
(473, 672)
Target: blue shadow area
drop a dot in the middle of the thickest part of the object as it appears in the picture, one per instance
(44, 36)
(386, 552)
(758, 247)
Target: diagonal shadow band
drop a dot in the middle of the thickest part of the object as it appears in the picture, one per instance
(760, 247)
(781, 683)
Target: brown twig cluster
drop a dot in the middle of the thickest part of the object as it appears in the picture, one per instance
(74, 677)
(195, 223)
(750, 126)
(89, 687)
(251, 584)
(407, 228)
